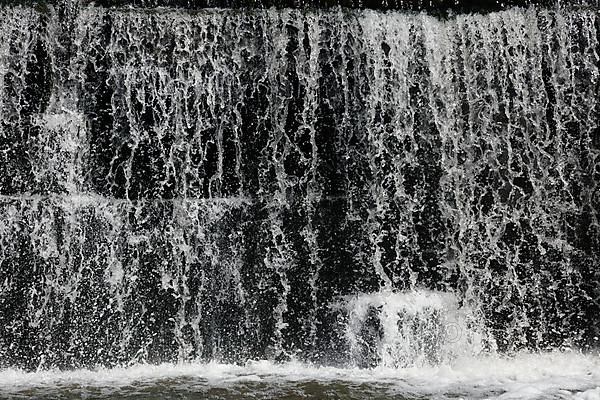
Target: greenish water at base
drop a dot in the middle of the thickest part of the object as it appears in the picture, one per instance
(199, 390)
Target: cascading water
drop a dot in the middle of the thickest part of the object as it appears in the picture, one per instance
(325, 185)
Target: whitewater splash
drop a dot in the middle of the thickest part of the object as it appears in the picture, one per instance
(411, 329)
(524, 376)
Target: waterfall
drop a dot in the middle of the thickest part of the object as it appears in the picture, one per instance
(211, 185)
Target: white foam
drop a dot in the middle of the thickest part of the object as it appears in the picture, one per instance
(418, 327)
(591, 394)
(524, 376)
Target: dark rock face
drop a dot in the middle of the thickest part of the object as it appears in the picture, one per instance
(205, 185)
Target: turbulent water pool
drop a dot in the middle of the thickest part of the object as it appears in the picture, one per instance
(565, 375)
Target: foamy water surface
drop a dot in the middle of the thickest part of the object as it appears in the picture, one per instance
(525, 376)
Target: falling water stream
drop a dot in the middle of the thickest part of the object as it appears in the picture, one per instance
(370, 202)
